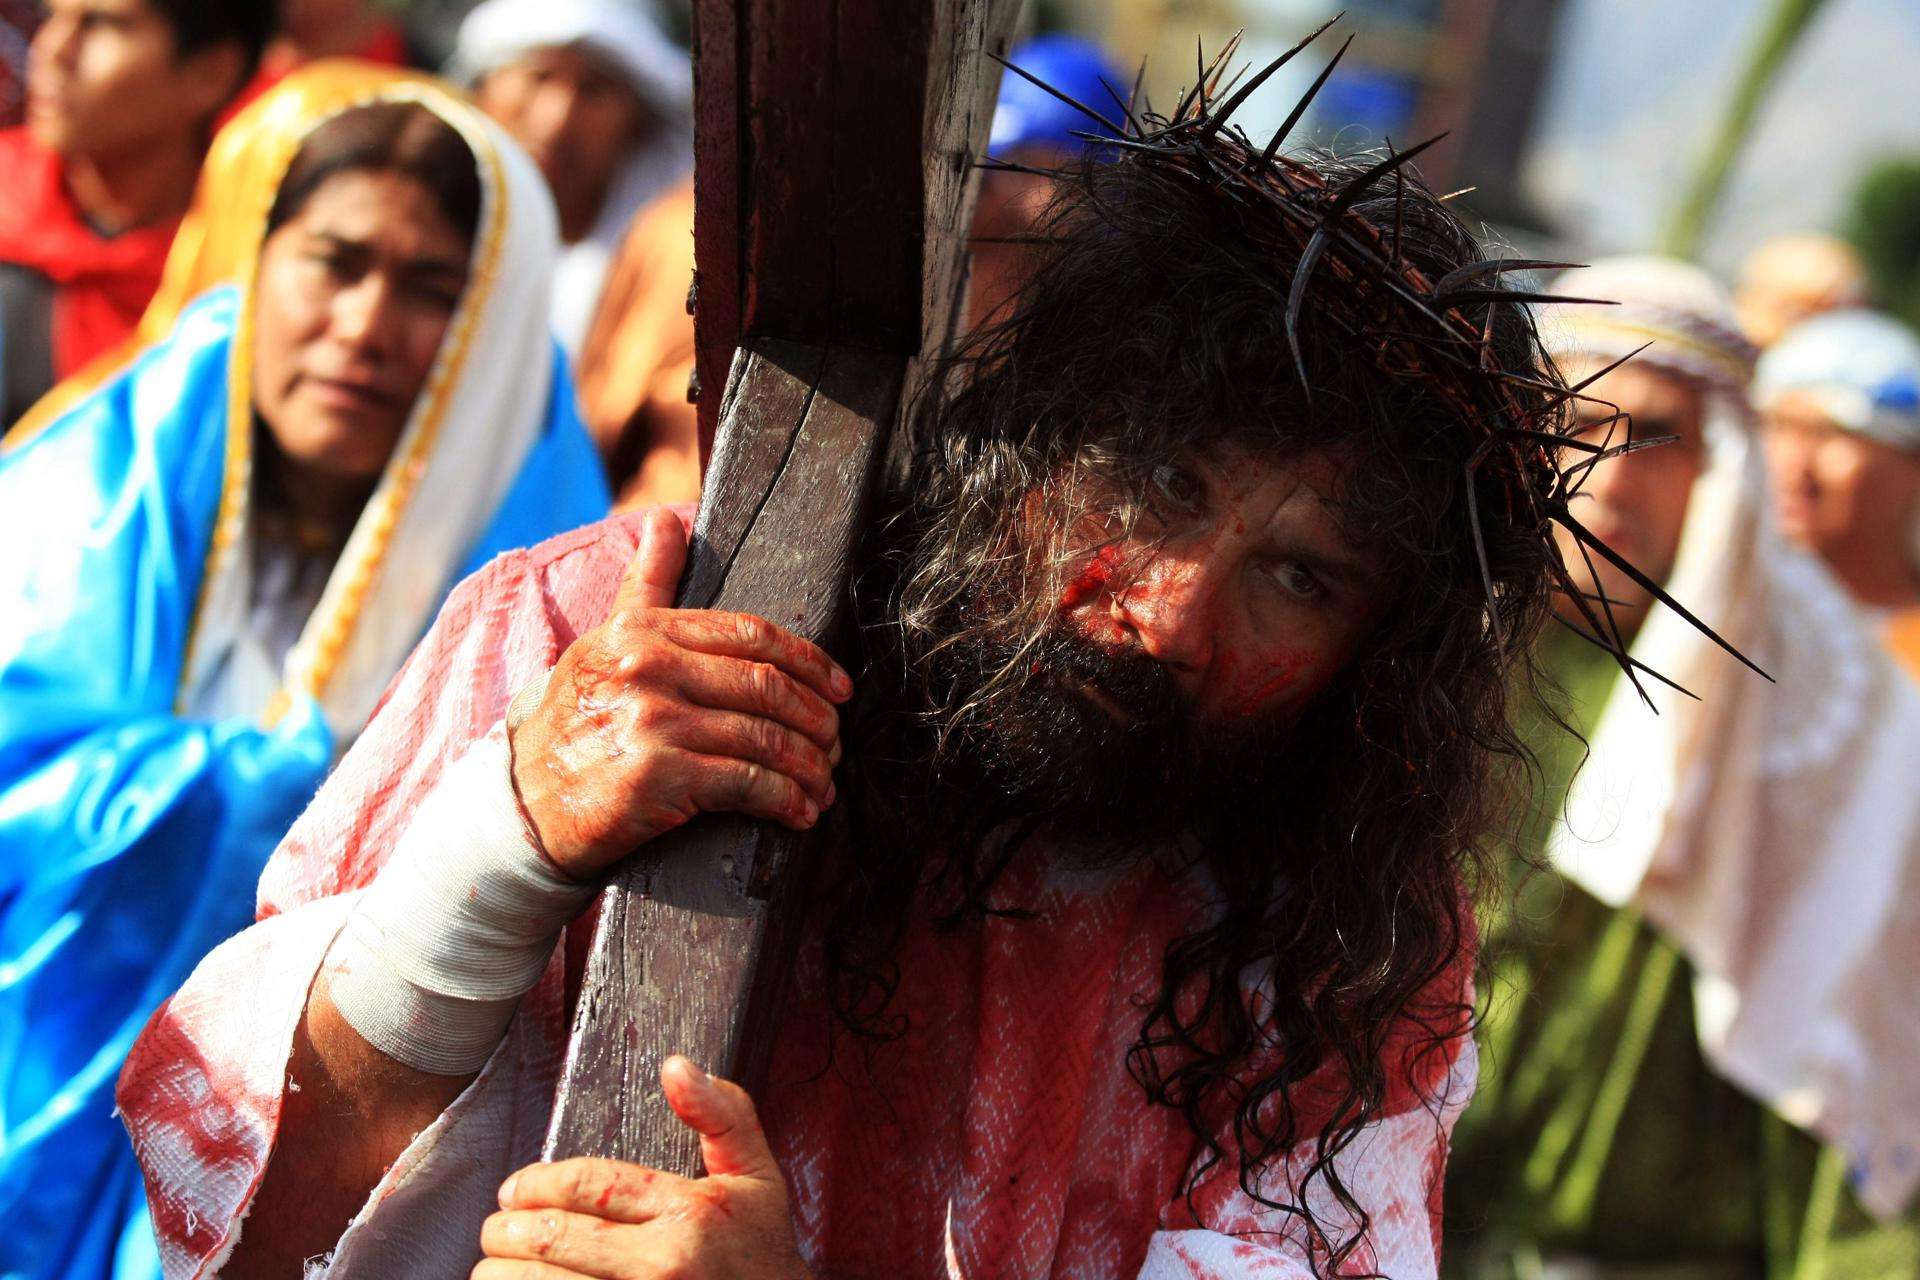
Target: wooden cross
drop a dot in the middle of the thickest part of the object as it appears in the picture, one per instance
(833, 182)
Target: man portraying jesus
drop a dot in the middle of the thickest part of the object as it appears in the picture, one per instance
(1153, 791)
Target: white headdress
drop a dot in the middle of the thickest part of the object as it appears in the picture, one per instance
(470, 430)
(1771, 831)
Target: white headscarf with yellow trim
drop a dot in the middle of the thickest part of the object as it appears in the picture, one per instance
(1770, 831)
(469, 432)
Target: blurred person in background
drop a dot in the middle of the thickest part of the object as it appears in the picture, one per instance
(602, 99)
(636, 367)
(18, 20)
(310, 30)
(637, 363)
(121, 99)
(1790, 278)
(1700, 1005)
(1034, 128)
(1840, 397)
(218, 560)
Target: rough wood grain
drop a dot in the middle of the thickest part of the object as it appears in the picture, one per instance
(833, 185)
(833, 170)
(681, 959)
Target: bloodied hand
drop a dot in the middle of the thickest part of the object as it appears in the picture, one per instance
(617, 1221)
(660, 714)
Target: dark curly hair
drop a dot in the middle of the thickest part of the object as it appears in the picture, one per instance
(201, 24)
(1154, 328)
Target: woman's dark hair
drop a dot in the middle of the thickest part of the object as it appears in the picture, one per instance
(386, 137)
(1155, 327)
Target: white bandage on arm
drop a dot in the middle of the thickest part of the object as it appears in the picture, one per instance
(457, 927)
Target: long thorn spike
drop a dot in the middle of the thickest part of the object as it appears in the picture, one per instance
(1637, 665)
(1604, 370)
(1233, 104)
(1071, 101)
(1134, 127)
(1399, 210)
(1495, 267)
(1306, 100)
(1296, 296)
(1480, 547)
(1356, 188)
(1587, 538)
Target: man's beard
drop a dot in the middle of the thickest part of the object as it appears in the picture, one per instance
(1030, 741)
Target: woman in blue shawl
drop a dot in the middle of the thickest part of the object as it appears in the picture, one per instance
(212, 564)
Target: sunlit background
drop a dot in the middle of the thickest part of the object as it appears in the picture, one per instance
(1582, 126)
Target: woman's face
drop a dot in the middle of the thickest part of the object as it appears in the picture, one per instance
(354, 295)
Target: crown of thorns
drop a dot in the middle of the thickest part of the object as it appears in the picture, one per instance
(1417, 327)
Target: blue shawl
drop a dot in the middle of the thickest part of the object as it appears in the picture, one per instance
(131, 838)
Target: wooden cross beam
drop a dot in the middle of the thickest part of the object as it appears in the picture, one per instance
(833, 185)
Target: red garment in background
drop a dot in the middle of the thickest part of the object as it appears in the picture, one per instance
(385, 44)
(101, 283)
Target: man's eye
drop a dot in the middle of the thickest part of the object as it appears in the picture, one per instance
(1178, 488)
(1296, 579)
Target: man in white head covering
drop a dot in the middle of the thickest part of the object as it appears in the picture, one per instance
(1701, 1013)
(1840, 397)
(603, 100)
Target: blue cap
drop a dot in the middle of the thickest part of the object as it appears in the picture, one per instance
(1862, 369)
(1028, 116)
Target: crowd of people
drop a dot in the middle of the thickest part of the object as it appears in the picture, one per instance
(1251, 854)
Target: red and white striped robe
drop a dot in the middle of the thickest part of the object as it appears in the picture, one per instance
(1001, 1137)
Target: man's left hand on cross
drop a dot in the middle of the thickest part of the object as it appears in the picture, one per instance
(616, 1221)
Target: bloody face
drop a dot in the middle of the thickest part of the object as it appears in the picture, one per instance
(1187, 638)
(1236, 580)
(354, 294)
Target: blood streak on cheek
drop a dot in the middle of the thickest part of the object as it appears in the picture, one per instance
(1094, 579)
(1275, 678)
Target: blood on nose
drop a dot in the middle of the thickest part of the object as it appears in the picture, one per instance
(1168, 606)
(1094, 580)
